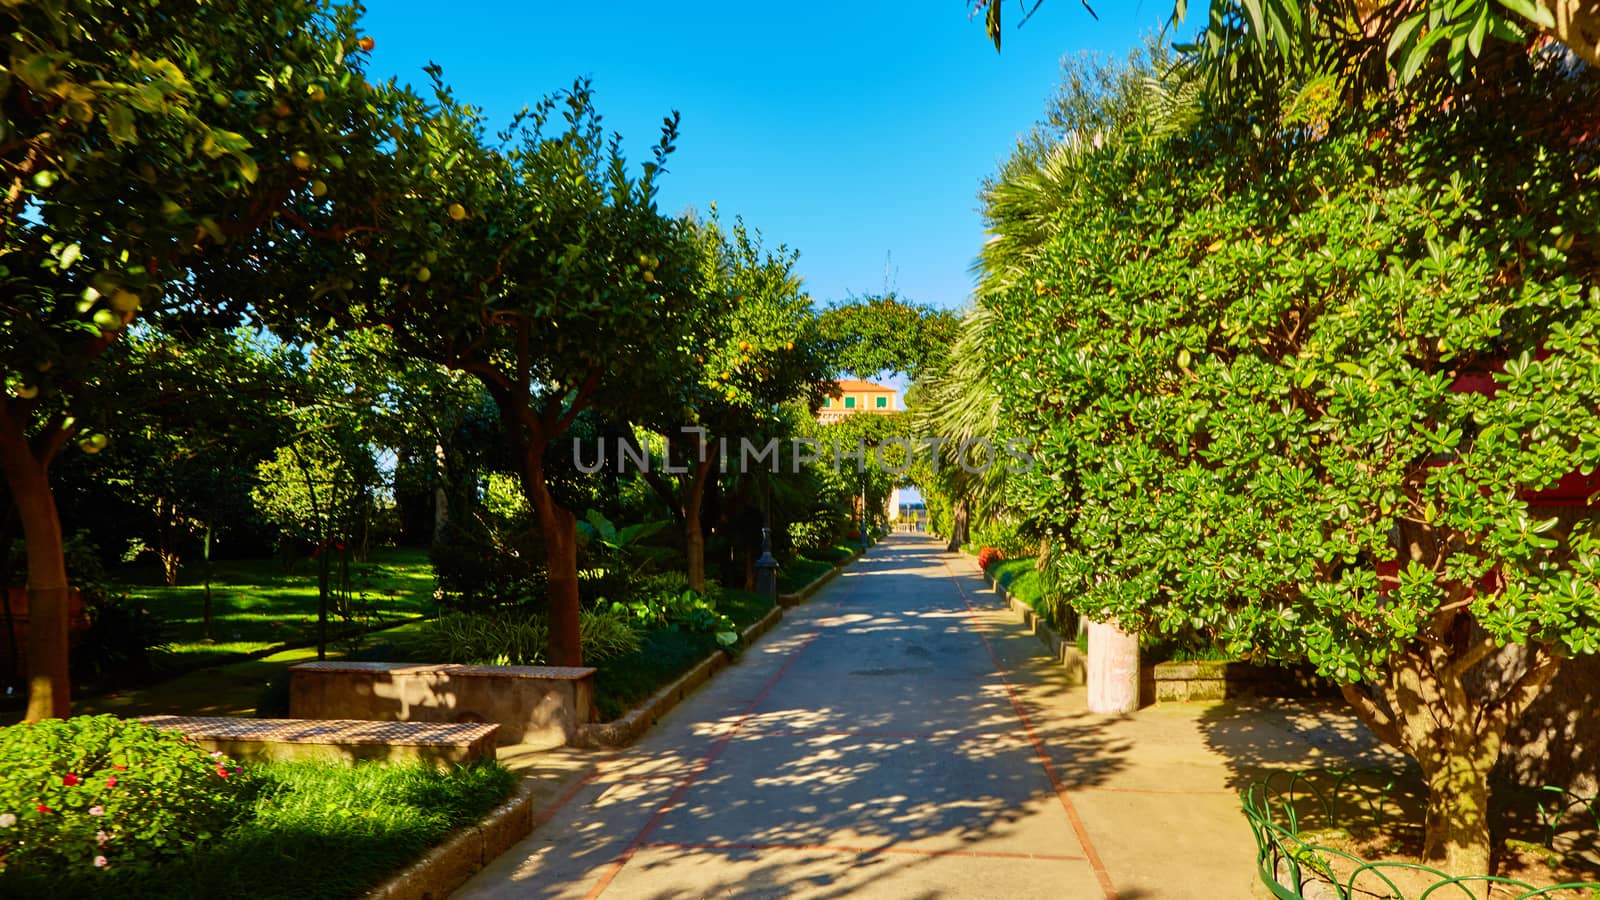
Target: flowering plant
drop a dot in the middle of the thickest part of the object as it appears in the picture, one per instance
(98, 792)
(987, 557)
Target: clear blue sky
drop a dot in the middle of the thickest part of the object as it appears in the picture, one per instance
(856, 133)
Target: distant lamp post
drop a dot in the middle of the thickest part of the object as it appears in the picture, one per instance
(863, 513)
(767, 568)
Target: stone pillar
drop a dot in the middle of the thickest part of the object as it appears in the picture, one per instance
(1113, 670)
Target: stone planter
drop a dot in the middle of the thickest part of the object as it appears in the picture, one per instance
(1186, 682)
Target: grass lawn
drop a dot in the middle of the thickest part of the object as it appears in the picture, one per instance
(240, 687)
(794, 575)
(666, 654)
(234, 689)
(256, 606)
(318, 830)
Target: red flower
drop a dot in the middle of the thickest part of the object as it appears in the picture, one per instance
(112, 781)
(120, 768)
(222, 772)
(339, 547)
(69, 779)
(43, 808)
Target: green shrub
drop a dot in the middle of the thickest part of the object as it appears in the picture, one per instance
(661, 605)
(100, 792)
(836, 555)
(474, 569)
(799, 572)
(124, 643)
(1009, 538)
(521, 638)
(319, 830)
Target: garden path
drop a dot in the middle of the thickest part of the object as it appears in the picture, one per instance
(902, 736)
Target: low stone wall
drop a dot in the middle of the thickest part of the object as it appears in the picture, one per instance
(791, 600)
(540, 705)
(628, 728)
(1186, 682)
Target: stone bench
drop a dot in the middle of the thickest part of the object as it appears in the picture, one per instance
(540, 705)
(335, 739)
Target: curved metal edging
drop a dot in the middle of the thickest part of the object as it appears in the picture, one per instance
(1281, 851)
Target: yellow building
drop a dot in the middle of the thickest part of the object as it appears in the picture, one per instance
(857, 396)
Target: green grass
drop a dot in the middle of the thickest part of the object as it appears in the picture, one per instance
(1019, 577)
(257, 606)
(622, 683)
(318, 830)
(837, 554)
(239, 688)
(800, 572)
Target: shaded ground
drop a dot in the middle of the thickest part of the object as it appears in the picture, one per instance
(901, 736)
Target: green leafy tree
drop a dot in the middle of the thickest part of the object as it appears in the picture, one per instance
(874, 335)
(1283, 32)
(135, 139)
(537, 263)
(763, 351)
(1317, 395)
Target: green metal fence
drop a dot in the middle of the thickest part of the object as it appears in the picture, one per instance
(1294, 814)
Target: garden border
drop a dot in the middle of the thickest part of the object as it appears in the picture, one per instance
(795, 598)
(447, 866)
(1066, 653)
(627, 729)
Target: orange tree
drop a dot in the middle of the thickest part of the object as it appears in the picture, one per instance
(763, 351)
(536, 261)
(135, 138)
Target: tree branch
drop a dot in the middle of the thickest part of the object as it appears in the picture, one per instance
(1516, 700)
(1372, 715)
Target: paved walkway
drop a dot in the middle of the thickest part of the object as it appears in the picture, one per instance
(902, 736)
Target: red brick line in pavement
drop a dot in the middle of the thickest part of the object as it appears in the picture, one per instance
(1078, 828)
(864, 851)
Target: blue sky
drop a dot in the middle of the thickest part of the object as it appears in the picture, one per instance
(856, 133)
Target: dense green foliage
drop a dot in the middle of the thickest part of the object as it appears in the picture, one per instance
(667, 653)
(1311, 396)
(520, 637)
(98, 792)
(1243, 353)
(874, 335)
(313, 830)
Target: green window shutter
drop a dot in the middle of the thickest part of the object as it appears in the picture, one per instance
(849, 403)
(883, 402)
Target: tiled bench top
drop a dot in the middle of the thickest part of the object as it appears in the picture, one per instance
(325, 731)
(546, 673)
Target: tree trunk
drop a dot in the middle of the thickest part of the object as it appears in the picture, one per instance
(205, 576)
(694, 536)
(168, 537)
(559, 528)
(958, 527)
(49, 679)
(441, 500)
(1456, 831)
(1448, 706)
